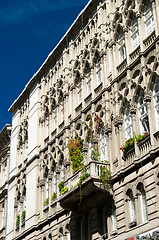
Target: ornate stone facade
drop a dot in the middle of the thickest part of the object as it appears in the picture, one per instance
(96, 97)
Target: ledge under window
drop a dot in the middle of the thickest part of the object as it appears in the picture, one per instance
(156, 134)
(61, 124)
(132, 224)
(98, 88)
(46, 208)
(88, 98)
(78, 107)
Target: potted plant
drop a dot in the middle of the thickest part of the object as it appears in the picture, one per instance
(95, 154)
(105, 174)
(141, 137)
(129, 144)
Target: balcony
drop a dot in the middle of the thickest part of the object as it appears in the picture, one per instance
(79, 190)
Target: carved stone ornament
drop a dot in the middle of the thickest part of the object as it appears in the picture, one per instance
(118, 121)
(147, 96)
(42, 182)
(108, 128)
(133, 109)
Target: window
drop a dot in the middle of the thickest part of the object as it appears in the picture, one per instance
(135, 34)
(88, 228)
(55, 120)
(47, 187)
(132, 211)
(113, 218)
(128, 122)
(55, 181)
(143, 114)
(105, 225)
(88, 85)
(63, 171)
(103, 146)
(62, 112)
(149, 20)
(143, 203)
(98, 74)
(121, 48)
(156, 100)
(79, 95)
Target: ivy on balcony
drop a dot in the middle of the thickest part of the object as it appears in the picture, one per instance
(75, 148)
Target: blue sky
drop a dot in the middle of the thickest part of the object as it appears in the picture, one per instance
(29, 30)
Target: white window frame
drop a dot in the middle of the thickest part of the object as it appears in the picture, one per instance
(88, 85)
(156, 103)
(135, 35)
(128, 123)
(143, 115)
(122, 49)
(98, 73)
(149, 20)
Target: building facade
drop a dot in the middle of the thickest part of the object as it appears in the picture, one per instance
(84, 161)
(4, 170)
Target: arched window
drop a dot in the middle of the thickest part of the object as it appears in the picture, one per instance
(103, 146)
(143, 114)
(132, 210)
(149, 19)
(156, 100)
(128, 122)
(143, 203)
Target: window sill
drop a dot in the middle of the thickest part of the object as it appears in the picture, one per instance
(149, 39)
(89, 97)
(78, 107)
(135, 52)
(98, 88)
(54, 132)
(122, 65)
(53, 203)
(156, 134)
(105, 236)
(132, 224)
(61, 124)
(137, 226)
(114, 233)
(46, 208)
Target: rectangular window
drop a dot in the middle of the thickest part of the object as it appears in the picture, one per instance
(135, 36)
(79, 95)
(55, 121)
(149, 21)
(62, 112)
(122, 49)
(98, 74)
(55, 182)
(144, 123)
(128, 127)
(88, 85)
